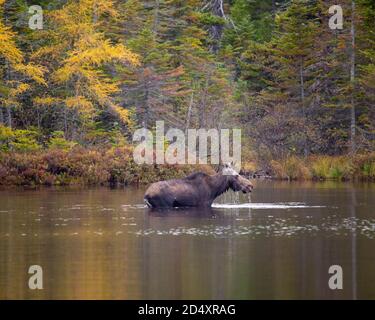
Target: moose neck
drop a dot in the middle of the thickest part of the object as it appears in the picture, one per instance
(219, 184)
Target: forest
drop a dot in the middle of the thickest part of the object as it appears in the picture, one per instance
(73, 92)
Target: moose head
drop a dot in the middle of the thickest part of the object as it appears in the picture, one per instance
(236, 181)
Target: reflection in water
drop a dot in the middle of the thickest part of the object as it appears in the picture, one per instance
(181, 212)
(102, 243)
(354, 243)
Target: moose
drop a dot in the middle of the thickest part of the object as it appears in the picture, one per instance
(196, 190)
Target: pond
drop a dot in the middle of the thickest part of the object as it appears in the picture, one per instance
(102, 243)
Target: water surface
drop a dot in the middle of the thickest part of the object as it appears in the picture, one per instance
(104, 244)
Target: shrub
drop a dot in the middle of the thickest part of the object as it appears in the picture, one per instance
(296, 168)
(115, 165)
(6, 136)
(249, 166)
(278, 170)
(365, 166)
(58, 141)
(18, 140)
(341, 168)
(291, 168)
(320, 166)
(325, 167)
(368, 170)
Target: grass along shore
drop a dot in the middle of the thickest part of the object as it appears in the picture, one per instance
(115, 165)
(344, 168)
(84, 166)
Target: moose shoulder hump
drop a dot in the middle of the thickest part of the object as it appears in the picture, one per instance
(196, 175)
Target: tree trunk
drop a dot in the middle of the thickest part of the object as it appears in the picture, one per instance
(189, 112)
(217, 30)
(156, 18)
(38, 117)
(95, 13)
(9, 111)
(302, 88)
(203, 104)
(147, 109)
(65, 122)
(352, 82)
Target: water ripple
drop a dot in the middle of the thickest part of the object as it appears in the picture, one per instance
(277, 228)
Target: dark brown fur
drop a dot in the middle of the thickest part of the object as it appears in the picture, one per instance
(196, 190)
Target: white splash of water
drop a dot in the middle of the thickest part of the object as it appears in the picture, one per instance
(286, 205)
(249, 197)
(237, 198)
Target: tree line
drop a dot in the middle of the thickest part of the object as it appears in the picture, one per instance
(100, 69)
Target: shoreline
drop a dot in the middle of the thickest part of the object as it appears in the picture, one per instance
(115, 166)
(81, 187)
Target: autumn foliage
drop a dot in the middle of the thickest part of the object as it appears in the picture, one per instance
(302, 93)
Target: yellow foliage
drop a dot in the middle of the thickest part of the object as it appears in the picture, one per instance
(64, 73)
(14, 56)
(21, 88)
(99, 6)
(75, 17)
(102, 53)
(81, 53)
(249, 166)
(53, 51)
(46, 101)
(123, 114)
(34, 72)
(80, 103)
(8, 48)
(102, 91)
